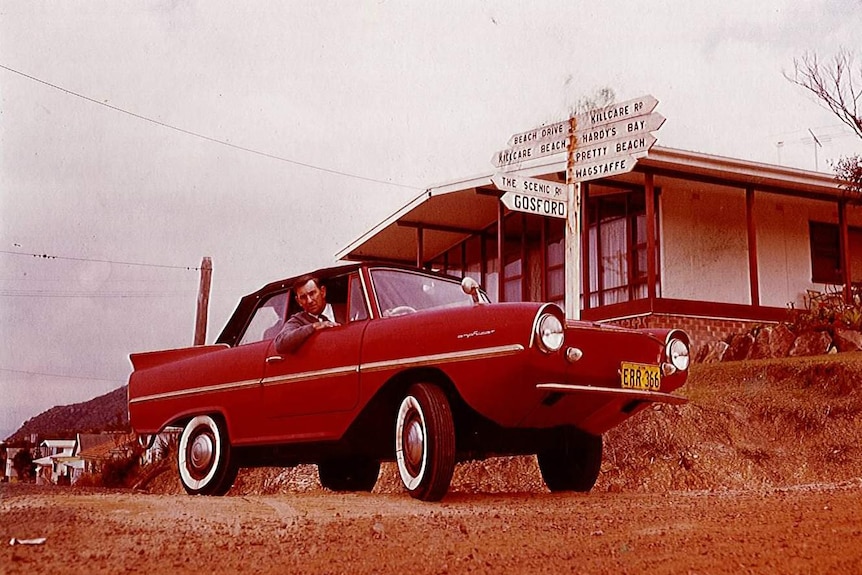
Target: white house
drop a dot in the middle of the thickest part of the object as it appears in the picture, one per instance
(710, 244)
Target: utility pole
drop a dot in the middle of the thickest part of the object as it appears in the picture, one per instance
(203, 301)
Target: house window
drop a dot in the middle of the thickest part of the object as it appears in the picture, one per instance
(513, 251)
(491, 269)
(826, 258)
(618, 252)
(555, 261)
(473, 259)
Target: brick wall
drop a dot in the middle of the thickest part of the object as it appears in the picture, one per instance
(701, 330)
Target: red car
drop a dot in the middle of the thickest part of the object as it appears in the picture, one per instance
(423, 370)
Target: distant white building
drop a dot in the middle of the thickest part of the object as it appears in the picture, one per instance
(55, 460)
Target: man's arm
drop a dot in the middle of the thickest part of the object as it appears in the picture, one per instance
(294, 333)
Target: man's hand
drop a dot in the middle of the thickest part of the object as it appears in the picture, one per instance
(324, 324)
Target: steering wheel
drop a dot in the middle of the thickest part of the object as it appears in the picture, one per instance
(400, 310)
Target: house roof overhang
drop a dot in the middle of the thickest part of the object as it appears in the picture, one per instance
(451, 212)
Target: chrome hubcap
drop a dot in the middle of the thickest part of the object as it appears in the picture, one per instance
(414, 444)
(201, 452)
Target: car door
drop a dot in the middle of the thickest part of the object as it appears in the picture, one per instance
(312, 393)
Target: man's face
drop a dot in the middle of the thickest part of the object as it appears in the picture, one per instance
(311, 298)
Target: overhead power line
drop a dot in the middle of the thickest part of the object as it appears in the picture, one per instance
(146, 265)
(26, 372)
(88, 295)
(205, 137)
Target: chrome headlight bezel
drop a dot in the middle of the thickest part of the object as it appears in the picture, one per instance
(550, 333)
(678, 353)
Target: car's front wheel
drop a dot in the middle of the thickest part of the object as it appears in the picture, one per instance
(573, 462)
(354, 474)
(425, 442)
(204, 456)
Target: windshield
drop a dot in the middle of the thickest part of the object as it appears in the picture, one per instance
(400, 292)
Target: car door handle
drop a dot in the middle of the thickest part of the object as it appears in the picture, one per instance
(274, 359)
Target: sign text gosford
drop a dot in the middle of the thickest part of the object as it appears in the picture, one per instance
(535, 205)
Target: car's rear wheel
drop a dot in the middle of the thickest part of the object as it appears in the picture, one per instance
(204, 456)
(354, 474)
(425, 442)
(573, 462)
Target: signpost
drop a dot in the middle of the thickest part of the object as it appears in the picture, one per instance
(601, 143)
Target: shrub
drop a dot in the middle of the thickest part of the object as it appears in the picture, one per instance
(119, 472)
(827, 311)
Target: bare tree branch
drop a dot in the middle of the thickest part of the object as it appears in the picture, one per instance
(835, 84)
(838, 86)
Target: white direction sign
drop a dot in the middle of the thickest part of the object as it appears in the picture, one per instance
(621, 129)
(541, 206)
(602, 169)
(520, 154)
(636, 146)
(597, 138)
(530, 186)
(624, 110)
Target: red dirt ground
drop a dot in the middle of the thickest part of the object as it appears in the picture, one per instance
(760, 473)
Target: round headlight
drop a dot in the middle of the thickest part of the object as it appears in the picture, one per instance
(677, 353)
(549, 330)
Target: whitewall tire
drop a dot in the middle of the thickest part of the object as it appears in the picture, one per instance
(425, 442)
(204, 457)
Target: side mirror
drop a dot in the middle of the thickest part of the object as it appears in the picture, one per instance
(470, 287)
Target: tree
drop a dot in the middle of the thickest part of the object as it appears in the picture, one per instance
(837, 84)
(22, 463)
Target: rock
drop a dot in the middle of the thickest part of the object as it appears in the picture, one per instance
(811, 343)
(772, 341)
(739, 347)
(848, 339)
(712, 352)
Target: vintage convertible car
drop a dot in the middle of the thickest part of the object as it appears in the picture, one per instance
(423, 370)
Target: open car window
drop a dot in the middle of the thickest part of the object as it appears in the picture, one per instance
(267, 320)
(400, 292)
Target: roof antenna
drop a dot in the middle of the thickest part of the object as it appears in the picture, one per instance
(816, 145)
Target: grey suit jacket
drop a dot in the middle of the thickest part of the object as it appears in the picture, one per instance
(296, 330)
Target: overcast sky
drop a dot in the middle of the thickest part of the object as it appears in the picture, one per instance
(115, 119)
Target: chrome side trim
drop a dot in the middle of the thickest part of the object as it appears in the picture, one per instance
(306, 375)
(481, 353)
(655, 396)
(198, 390)
(418, 361)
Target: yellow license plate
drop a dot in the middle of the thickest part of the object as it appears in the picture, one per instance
(640, 376)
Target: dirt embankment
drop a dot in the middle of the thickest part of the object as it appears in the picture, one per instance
(748, 424)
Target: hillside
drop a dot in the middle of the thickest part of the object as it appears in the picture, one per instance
(107, 412)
